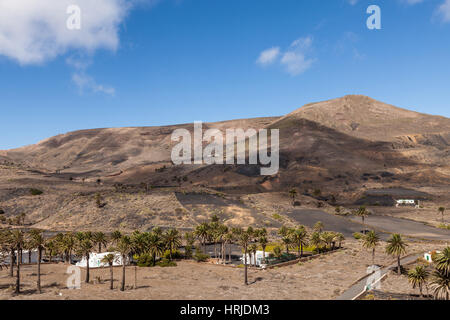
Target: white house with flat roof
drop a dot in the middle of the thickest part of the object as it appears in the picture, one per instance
(407, 202)
(95, 260)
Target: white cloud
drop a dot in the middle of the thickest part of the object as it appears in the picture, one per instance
(294, 59)
(82, 80)
(268, 56)
(444, 11)
(33, 32)
(86, 82)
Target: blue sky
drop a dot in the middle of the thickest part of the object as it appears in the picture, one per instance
(176, 61)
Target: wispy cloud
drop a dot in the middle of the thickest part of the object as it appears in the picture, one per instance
(444, 11)
(83, 80)
(294, 59)
(268, 56)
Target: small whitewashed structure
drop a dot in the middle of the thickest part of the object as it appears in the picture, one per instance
(251, 258)
(407, 202)
(428, 256)
(95, 260)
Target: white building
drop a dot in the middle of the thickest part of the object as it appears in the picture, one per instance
(251, 258)
(428, 256)
(407, 202)
(95, 260)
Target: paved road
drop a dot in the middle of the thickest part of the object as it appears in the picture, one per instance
(406, 227)
(309, 217)
(349, 225)
(355, 290)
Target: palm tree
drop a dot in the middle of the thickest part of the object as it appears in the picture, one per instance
(277, 252)
(327, 237)
(362, 212)
(155, 245)
(172, 239)
(67, 245)
(51, 249)
(418, 277)
(252, 249)
(370, 241)
(229, 238)
(283, 231)
(99, 238)
(109, 259)
(300, 237)
(340, 238)
(396, 247)
(17, 241)
(202, 232)
(37, 241)
(138, 247)
(116, 236)
(441, 285)
(293, 194)
(84, 250)
(190, 240)
(316, 240)
(442, 210)
(263, 242)
(124, 247)
(222, 231)
(443, 261)
(244, 237)
(287, 242)
(158, 231)
(318, 227)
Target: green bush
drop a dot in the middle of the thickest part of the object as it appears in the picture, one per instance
(35, 192)
(188, 251)
(166, 263)
(200, 257)
(357, 235)
(175, 255)
(444, 226)
(145, 260)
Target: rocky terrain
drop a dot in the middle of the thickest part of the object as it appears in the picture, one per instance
(334, 153)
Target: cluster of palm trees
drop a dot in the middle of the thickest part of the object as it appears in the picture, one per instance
(419, 276)
(396, 246)
(81, 244)
(439, 279)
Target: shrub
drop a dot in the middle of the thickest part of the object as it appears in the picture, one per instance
(200, 257)
(2, 211)
(188, 251)
(166, 263)
(145, 260)
(444, 226)
(276, 216)
(357, 235)
(35, 192)
(175, 255)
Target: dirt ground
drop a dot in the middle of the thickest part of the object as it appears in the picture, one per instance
(322, 278)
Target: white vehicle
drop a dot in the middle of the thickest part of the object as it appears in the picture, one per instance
(95, 260)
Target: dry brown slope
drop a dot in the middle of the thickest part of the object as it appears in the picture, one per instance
(111, 149)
